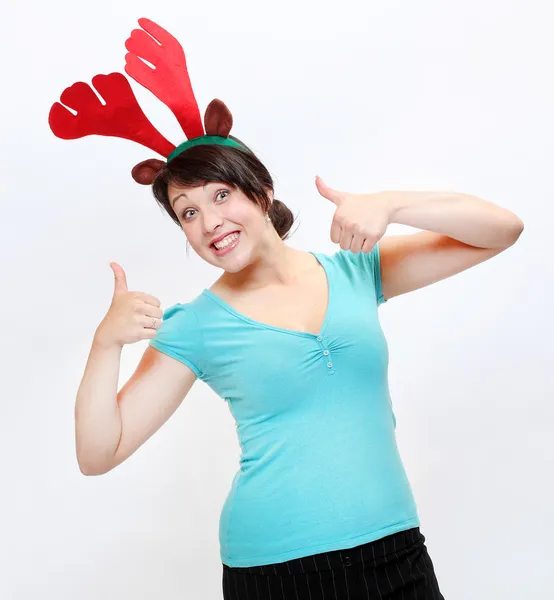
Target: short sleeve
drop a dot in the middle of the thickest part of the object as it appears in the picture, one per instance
(370, 264)
(180, 336)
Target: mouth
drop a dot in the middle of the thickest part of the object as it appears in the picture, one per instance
(231, 240)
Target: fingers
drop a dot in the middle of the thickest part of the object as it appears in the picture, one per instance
(336, 231)
(367, 246)
(327, 192)
(148, 309)
(345, 239)
(150, 316)
(349, 236)
(350, 239)
(120, 279)
(356, 244)
(148, 299)
(150, 322)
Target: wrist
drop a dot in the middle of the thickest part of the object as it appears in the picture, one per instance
(104, 342)
(395, 204)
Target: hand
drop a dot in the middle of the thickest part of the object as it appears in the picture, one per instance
(360, 220)
(129, 318)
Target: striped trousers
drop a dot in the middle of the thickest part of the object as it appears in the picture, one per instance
(396, 567)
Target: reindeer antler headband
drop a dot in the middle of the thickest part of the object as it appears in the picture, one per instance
(122, 116)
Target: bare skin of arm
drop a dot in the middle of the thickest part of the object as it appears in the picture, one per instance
(111, 425)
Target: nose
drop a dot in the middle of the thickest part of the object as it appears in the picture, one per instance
(212, 223)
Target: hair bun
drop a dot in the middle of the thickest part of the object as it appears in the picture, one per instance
(281, 217)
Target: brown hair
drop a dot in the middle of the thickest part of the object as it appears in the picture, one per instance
(238, 168)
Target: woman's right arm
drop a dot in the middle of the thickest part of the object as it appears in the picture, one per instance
(111, 426)
(97, 414)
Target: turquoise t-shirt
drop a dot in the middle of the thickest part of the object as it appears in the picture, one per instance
(319, 467)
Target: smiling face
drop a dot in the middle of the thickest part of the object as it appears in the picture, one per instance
(217, 209)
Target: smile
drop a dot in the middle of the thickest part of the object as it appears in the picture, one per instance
(226, 244)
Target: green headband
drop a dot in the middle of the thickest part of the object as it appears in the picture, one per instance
(203, 140)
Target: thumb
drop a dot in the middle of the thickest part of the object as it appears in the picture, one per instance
(120, 279)
(326, 191)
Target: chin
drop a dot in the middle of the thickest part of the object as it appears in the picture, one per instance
(228, 270)
(233, 266)
(229, 264)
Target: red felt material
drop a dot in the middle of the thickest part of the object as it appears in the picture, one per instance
(120, 117)
(169, 81)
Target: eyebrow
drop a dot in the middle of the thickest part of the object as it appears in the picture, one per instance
(172, 202)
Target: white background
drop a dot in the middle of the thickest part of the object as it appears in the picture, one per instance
(372, 96)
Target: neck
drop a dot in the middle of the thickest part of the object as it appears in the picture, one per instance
(276, 264)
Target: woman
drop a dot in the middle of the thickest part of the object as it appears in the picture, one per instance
(294, 346)
(321, 506)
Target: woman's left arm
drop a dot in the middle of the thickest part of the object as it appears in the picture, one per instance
(460, 216)
(460, 231)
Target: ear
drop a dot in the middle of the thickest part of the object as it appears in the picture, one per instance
(145, 172)
(218, 119)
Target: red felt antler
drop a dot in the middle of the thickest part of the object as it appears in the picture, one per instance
(169, 81)
(120, 117)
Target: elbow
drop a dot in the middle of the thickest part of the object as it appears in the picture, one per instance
(510, 232)
(91, 469)
(92, 461)
(516, 230)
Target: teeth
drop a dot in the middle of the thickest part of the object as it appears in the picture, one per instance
(226, 241)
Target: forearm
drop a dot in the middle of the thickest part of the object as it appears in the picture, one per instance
(97, 414)
(463, 217)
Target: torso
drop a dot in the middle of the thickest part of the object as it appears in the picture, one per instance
(301, 306)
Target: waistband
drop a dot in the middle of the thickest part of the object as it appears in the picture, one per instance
(370, 554)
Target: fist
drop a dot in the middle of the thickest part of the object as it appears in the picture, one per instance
(132, 316)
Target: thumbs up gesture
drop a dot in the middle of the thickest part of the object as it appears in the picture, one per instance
(132, 316)
(360, 220)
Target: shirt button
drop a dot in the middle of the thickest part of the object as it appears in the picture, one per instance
(319, 338)
(329, 364)
(326, 352)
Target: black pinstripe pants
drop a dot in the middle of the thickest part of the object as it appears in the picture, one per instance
(396, 567)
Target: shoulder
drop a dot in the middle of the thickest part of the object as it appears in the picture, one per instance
(180, 335)
(179, 314)
(362, 267)
(363, 261)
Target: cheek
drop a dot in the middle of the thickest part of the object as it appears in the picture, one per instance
(245, 216)
(191, 235)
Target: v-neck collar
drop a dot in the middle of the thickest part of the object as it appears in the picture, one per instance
(240, 315)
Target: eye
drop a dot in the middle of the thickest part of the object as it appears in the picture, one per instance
(226, 192)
